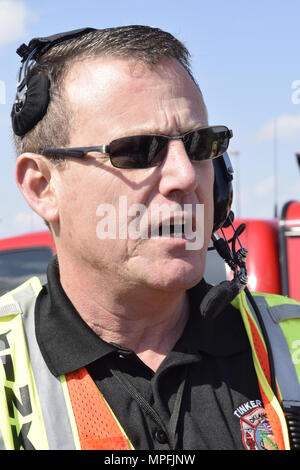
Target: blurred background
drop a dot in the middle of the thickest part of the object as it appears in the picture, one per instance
(244, 55)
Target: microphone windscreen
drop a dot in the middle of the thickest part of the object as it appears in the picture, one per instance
(218, 297)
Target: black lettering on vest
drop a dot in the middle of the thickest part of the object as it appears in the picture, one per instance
(4, 344)
(8, 367)
(21, 440)
(23, 406)
(7, 360)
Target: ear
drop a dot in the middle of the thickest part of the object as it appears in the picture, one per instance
(35, 179)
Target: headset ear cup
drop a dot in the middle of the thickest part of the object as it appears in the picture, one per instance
(223, 192)
(35, 105)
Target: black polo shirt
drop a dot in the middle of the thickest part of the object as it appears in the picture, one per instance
(189, 403)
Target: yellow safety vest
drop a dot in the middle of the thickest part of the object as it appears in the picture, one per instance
(40, 411)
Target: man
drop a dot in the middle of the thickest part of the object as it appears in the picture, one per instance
(120, 314)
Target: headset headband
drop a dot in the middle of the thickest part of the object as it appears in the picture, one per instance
(41, 45)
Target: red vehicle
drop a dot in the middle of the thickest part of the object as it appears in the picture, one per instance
(274, 253)
(23, 257)
(272, 263)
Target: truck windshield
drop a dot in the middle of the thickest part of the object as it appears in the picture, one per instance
(16, 266)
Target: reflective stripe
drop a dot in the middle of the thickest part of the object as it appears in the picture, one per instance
(49, 388)
(283, 312)
(8, 309)
(284, 368)
(70, 412)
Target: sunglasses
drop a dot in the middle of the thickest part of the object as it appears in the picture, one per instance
(145, 151)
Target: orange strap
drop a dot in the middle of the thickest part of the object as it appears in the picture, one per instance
(265, 365)
(96, 425)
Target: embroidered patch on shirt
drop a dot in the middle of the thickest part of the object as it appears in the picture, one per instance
(256, 430)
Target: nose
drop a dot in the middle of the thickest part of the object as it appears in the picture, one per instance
(177, 171)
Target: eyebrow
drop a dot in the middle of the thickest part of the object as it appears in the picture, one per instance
(197, 125)
(156, 131)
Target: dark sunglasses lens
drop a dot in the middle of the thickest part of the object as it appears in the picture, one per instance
(138, 151)
(205, 144)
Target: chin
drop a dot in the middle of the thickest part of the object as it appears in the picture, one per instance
(174, 275)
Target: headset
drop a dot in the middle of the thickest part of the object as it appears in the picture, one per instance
(30, 106)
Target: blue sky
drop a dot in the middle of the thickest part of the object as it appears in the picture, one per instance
(245, 56)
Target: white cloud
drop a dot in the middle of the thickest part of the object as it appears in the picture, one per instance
(287, 127)
(14, 15)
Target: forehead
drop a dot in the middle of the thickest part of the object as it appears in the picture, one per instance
(112, 97)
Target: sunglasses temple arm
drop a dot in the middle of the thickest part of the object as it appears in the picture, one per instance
(76, 152)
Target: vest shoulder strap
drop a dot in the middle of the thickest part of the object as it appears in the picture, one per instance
(281, 321)
(281, 318)
(97, 426)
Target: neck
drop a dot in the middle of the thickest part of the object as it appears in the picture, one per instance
(148, 321)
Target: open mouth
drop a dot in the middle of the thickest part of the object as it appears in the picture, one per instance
(172, 230)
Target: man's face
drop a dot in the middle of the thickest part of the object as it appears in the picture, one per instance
(112, 98)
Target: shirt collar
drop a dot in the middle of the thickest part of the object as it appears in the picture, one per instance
(67, 343)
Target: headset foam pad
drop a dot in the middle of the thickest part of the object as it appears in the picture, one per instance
(35, 106)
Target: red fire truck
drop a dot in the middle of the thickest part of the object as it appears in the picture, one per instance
(273, 253)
